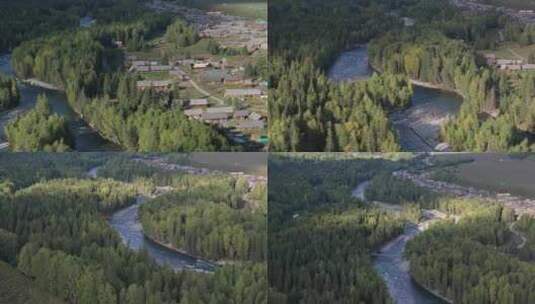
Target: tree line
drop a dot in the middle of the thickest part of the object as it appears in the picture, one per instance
(65, 245)
(320, 237)
(475, 260)
(88, 66)
(208, 217)
(307, 111)
(9, 93)
(39, 130)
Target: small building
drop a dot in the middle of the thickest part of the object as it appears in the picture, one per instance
(194, 113)
(490, 59)
(157, 85)
(215, 118)
(179, 73)
(199, 103)
(508, 62)
(511, 67)
(240, 114)
(160, 68)
(201, 65)
(223, 110)
(142, 68)
(243, 93)
(255, 116)
(527, 67)
(250, 124)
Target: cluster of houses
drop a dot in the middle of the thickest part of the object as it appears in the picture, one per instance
(225, 116)
(237, 32)
(519, 204)
(161, 163)
(526, 16)
(508, 64)
(232, 31)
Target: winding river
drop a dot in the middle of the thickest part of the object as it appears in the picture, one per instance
(86, 139)
(394, 268)
(126, 223)
(418, 126)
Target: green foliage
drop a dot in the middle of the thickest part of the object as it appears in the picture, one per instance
(319, 236)
(87, 65)
(8, 246)
(9, 93)
(19, 170)
(179, 35)
(307, 112)
(208, 217)
(18, 289)
(430, 56)
(38, 130)
(385, 187)
(69, 250)
(473, 261)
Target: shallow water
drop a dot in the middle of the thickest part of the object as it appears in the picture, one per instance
(418, 126)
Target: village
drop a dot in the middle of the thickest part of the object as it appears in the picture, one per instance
(520, 205)
(508, 64)
(224, 90)
(523, 15)
(162, 163)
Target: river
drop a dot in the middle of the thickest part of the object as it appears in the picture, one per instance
(126, 223)
(418, 126)
(86, 139)
(394, 268)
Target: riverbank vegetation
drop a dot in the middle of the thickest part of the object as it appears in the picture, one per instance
(9, 93)
(430, 42)
(385, 187)
(65, 247)
(209, 216)
(88, 65)
(320, 237)
(444, 49)
(307, 112)
(475, 260)
(39, 130)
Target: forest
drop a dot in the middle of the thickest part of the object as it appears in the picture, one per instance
(54, 231)
(320, 237)
(384, 187)
(28, 19)
(307, 112)
(39, 130)
(89, 67)
(208, 217)
(476, 260)
(497, 112)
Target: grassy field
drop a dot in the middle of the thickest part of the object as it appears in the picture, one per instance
(499, 173)
(15, 288)
(247, 8)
